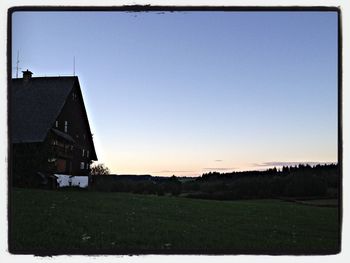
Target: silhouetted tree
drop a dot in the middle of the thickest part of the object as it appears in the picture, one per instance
(99, 169)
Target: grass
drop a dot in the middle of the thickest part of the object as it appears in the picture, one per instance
(321, 202)
(94, 222)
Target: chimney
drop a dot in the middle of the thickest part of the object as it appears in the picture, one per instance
(27, 75)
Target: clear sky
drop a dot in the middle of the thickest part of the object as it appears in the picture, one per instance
(190, 92)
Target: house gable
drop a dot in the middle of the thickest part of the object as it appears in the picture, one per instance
(73, 121)
(51, 111)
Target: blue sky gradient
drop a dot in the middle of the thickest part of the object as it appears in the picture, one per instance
(188, 92)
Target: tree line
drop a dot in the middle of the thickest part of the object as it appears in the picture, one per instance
(299, 181)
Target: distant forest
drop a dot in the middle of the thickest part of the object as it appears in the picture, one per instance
(301, 181)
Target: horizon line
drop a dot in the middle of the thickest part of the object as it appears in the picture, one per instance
(262, 169)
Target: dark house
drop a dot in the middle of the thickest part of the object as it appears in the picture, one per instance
(49, 127)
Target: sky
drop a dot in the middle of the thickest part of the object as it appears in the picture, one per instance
(186, 93)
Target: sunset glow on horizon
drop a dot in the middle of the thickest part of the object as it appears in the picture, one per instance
(186, 93)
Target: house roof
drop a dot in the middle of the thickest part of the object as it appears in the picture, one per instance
(35, 106)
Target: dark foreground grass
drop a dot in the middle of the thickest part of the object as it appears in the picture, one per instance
(93, 222)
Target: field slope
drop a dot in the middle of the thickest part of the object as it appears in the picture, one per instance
(93, 222)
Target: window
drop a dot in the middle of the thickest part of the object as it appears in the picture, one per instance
(83, 152)
(87, 166)
(56, 124)
(82, 165)
(87, 153)
(74, 96)
(65, 126)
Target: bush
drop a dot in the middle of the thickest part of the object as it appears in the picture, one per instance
(212, 187)
(300, 185)
(190, 186)
(99, 169)
(103, 183)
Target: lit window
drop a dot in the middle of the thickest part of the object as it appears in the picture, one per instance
(65, 126)
(56, 124)
(83, 152)
(87, 166)
(82, 165)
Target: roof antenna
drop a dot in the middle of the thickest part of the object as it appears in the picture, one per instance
(17, 63)
(74, 66)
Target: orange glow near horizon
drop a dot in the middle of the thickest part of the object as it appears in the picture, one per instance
(197, 170)
(194, 157)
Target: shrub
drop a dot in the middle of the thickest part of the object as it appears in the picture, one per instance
(99, 169)
(190, 186)
(300, 185)
(212, 187)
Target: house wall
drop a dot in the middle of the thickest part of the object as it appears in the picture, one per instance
(77, 127)
(62, 153)
(61, 165)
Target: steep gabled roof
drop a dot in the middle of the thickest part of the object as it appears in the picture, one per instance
(35, 106)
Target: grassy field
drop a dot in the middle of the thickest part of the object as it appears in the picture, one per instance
(94, 222)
